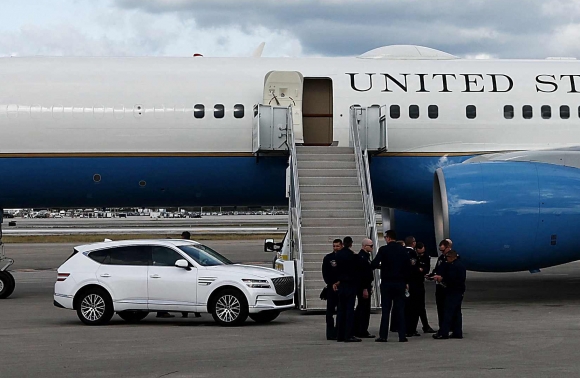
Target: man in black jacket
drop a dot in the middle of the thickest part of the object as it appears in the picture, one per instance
(424, 263)
(395, 266)
(330, 276)
(347, 286)
(415, 303)
(453, 276)
(362, 314)
(440, 266)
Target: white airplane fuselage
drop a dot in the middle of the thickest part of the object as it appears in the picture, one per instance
(84, 132)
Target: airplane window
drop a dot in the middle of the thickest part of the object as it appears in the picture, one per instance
(433, 111)
(471, 111)
(199, 111)
(564, 112)
(218, 111)
(414, 111)
(238, 111)
(508, 112)
(546, 112)
(527, 111)
(395, 111)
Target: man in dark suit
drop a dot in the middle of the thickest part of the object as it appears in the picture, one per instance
(330, 276)
(454, 279)
(347, 286)
(362, 313)
(440, 266)
(395, 266)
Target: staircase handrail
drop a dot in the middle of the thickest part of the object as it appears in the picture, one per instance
(364, 178)
(295, 213)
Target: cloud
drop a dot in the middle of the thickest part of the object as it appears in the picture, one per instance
(351, 27)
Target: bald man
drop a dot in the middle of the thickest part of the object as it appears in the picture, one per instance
(362, 314)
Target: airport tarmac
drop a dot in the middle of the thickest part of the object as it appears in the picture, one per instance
(212, 224)
(516, 325)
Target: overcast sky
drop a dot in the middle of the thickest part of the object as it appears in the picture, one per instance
(468, 28)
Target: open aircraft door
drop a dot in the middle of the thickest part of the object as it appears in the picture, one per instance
(285, 88)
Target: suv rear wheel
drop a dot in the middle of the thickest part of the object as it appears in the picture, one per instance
(229, 308)
(95, 307)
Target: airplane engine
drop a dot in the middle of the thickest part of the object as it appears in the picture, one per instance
(509, 216)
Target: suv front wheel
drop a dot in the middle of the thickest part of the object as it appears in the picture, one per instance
(229, 308)
(95, 307)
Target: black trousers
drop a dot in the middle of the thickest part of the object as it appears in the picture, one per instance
(331, 305)
(414, 305)
(453, 319)
(362, 314)
(392, 297)
(345, 313)
(440, 292)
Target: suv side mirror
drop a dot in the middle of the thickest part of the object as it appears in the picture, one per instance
(269, 245)
(182, 263)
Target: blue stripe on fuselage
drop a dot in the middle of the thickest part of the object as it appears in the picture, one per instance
(398, 182)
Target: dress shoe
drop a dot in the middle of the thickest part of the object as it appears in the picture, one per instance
(353, 340)
(331, 338)
(437, 336)
(413, 334)
(428, 330)
(404, 340)
(380, 340)
(367, 336)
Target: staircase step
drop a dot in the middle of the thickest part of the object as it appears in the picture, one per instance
(333, 172)
(332, 222)
(330, 204)
(333, 213)
(336, 200)
(329, 189)
(331, 231)
(326, 165)
(327, 239)
(323, 150)
(336, 181)
(325, 157)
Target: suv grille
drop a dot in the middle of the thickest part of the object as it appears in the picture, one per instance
(284, 285)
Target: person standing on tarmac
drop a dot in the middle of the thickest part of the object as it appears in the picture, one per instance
(440, 287)
(424, 262)
(330, 276)
(415, 306)
(453, 276)
(362, 313)
(347, 286)
(395, 267)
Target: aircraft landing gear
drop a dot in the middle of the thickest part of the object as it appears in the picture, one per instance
(7, 282)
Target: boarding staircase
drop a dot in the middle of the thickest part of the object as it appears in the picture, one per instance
(330, 193)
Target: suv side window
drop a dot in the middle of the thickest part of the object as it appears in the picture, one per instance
(99, 256)
(163, 256)
(131, 255)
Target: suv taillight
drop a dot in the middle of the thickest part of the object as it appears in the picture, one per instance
(62, 276)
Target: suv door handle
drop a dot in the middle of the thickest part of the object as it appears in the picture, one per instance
(155, 276)
(105, 275)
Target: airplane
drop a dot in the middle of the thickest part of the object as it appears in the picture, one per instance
(482, 151)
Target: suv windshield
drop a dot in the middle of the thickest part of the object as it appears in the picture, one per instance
(204, 255)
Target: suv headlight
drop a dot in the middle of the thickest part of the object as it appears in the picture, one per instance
(257, 284)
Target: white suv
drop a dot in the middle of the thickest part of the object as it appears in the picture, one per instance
(135, 277)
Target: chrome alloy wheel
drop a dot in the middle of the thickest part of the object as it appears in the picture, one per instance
(1, 285)
(228, 308)
(93, 307)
